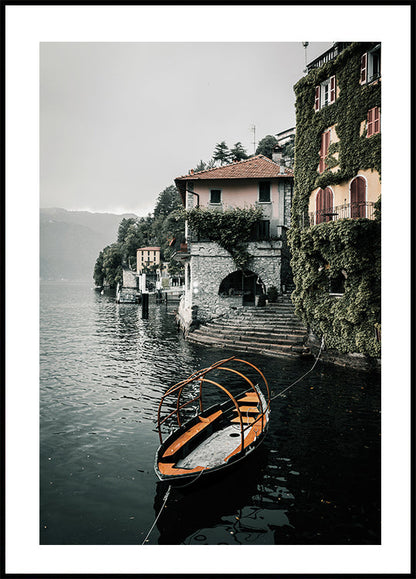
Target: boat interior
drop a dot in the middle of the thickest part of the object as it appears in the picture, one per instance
(217, 436)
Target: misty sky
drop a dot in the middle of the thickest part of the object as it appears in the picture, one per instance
(119, 121)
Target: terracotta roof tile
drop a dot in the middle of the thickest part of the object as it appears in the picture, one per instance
(258, 167)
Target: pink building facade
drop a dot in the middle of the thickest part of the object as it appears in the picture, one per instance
(213, 284)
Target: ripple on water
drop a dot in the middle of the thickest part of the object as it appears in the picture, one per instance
(103, 370)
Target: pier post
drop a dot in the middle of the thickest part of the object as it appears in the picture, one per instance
(145, 305)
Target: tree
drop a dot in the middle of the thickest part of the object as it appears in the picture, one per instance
(265, 146)
(201, 166)
(221, 153)
(168, 201)
(98, 274)
(238, 152)
(108, 267)
(125, 225)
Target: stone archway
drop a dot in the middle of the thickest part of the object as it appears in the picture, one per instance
(242, 286)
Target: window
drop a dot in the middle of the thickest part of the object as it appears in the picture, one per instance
(325, 93)
(358, 194)
(324, 205)
(337, 284)
(323, 152)
(264, 192)
(263, 230)
(373, 121)
(370, 65)
(215, 196)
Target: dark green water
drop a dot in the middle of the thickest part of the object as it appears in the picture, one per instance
(103, 369)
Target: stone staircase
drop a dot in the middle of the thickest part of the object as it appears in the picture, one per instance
(272, 330)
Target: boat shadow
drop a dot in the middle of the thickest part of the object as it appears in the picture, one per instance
(205, 502)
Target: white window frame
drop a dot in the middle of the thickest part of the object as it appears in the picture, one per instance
(369, 65)
(324, 89)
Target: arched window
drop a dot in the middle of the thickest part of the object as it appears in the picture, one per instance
(358, 195)
(324, 205)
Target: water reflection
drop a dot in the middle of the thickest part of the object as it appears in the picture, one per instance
(210, 502)
(103, 369)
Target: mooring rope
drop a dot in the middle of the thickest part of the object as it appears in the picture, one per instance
(301, 378)
(159, 513)
(197, 477)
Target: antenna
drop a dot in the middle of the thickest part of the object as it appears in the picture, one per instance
(305, 46)
(253, 128)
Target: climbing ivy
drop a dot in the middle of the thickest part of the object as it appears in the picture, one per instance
(347, 248)
(356, 151)
(232, 229)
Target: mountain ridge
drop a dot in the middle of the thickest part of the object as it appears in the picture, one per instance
(70, 241)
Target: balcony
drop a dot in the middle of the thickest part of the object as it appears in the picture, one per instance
(327, 56)
(345, 211)
(181, 253)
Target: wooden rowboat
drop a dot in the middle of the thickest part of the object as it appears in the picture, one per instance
(216, 437)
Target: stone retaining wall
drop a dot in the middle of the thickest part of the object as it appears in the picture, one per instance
(210, 264)
(353, 360)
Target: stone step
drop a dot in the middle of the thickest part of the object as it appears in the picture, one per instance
(256, 332)
(265, 349)
(260, 327)
(253, 337)
(285, 345)
(272, 315)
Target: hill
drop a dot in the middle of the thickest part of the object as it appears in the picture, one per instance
(70, 242)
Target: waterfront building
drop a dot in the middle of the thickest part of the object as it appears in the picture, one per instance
(214, 285)
(147, 257)
(335, 235)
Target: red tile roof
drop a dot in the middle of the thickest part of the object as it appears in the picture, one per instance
(148, 249)
(258, 167)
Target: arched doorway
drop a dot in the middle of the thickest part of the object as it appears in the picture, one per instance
(242, 284)
(358, 197)
(324, 205)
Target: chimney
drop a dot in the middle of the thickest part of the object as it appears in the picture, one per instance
(277, 154)
(191, 171)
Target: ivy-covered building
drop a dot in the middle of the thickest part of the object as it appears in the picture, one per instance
(335, 237)
(236, 248)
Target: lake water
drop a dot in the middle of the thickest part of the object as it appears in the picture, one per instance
(103, 369)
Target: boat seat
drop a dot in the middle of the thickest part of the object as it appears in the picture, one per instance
(246, 419)
(249, 397)
(190, 433)
(250, 409)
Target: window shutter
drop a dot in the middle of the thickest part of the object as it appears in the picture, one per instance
(332, 92)
(321, 155)
(327, 135)
(370, 122)
(317, 97)
(376, 120)
(358, 208)
(323, 151)
(363, 73)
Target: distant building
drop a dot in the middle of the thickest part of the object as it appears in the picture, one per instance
(284, 150)
(213, 283)
(147, 257)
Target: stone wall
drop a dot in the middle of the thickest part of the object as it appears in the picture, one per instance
(210, 264)
(129, 278)
(353, 360)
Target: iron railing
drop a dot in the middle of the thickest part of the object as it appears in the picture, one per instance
(359, 210)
